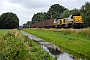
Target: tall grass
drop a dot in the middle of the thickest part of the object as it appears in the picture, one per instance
(16, 46)
(12, 48)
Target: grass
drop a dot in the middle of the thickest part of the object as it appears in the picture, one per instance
(16, 46)
(11, 47)
(3, 31)
(77, 41)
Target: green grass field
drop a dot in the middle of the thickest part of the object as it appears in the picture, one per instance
(73, 40)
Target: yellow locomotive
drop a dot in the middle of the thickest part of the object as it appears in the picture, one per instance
(61, 23)
(75, 21)
(78, 22)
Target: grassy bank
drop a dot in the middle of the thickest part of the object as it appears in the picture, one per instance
(77, 41)
(3, 31)
(16, 46)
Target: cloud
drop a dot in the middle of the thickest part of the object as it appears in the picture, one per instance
(34, 4)
(25, 9)
(22, 13)
(30, 4)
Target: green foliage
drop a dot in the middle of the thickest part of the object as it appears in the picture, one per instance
(3, 31)
(47, 16)
(54, 12)
(75, 11)
(65, 14)
(78, 42)
(36, 52)
(37, 17)
(9, 20)
(20, 47)
(85, 12)
(87, 20)
(12, 48)
(28, 22)
(56, 8)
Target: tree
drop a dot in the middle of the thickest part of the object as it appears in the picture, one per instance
(65, 14)
(40, 17)
(56, 10)
(47, 16)
(37, 17)
(75, 11)
(28, 22)
(27, 25)
(85, 12)
(9, 20)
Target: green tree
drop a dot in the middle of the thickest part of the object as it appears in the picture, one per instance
(56, 10)
(65, 14)
(28, 22)
(37, 17)
(47, 16)
(9, 20)
(85, 12)
(75, 11)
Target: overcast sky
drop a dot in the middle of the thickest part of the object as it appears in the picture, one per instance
(25, 9)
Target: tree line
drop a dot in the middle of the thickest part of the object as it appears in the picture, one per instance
(59, 11)
(9, 20)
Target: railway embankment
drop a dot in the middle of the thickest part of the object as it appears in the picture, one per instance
(77, 41)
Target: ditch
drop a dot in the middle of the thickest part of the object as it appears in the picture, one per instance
(53, 50)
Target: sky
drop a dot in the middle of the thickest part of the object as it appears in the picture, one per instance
(25, 9)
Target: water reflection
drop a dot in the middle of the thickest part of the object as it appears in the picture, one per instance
(54, 51)
(58, 54)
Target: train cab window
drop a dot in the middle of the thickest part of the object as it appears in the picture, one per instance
(71, 17)
(63, 20)
(60, 21)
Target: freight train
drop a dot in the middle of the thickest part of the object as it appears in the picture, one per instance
(73, 21)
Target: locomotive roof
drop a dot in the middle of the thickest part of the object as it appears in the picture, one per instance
(75, 14)
(58, 18)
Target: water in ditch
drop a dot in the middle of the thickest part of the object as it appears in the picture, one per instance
(59, 54)
(54, 51)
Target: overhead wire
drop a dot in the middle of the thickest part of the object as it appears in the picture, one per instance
(74, 4)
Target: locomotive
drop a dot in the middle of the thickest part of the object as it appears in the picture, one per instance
(73, 21)
(77, 21)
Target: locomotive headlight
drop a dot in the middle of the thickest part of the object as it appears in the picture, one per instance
(78, 22)
(81, 22)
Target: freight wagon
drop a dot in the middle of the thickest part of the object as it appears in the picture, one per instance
(49, 23)
(45, 24)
